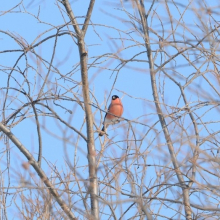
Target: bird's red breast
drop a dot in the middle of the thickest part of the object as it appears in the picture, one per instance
(115, 108)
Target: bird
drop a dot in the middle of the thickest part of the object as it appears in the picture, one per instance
(116, 110)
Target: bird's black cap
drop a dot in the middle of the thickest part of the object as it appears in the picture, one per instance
(115, 97)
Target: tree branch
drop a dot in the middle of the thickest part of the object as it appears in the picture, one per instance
(93, 189)
(39, 171)
(88, 16)
(185, 190)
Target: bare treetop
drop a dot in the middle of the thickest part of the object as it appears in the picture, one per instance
(62, 61)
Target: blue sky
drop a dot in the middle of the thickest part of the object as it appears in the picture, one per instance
(112, 33)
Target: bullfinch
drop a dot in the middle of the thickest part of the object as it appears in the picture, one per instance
(116, 109)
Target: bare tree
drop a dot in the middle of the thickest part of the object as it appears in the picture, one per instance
(161, 161)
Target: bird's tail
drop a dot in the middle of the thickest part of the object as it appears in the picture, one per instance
(103, 130)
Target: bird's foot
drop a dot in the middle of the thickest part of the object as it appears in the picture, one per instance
(116, 121)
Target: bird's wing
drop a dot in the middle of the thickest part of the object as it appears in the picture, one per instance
(107, 112)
